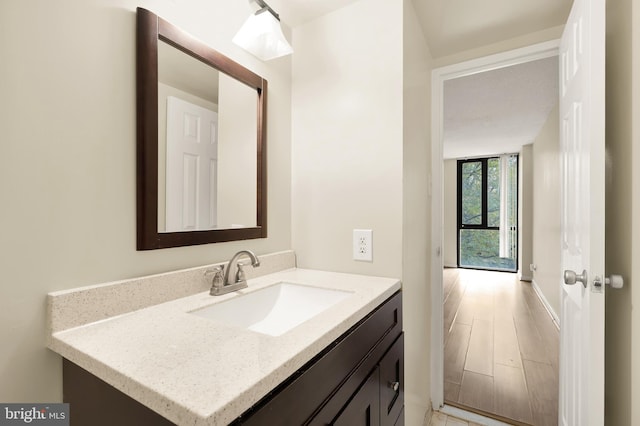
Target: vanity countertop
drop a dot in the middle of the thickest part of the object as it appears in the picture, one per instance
(195, 371)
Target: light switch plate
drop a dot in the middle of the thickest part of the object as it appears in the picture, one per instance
(363, 245)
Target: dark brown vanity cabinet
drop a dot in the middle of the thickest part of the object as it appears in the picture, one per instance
(357, 380)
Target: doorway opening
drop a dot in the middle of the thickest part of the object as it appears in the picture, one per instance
(488, 213)
(484, 374)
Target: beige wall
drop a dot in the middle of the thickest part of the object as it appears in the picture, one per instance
(416, 248)
(622, 332)
(450, 209)
(347, 137)
(67, 162)
(546, 211)
(360, 126)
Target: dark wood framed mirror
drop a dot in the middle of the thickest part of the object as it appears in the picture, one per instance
(230, 172)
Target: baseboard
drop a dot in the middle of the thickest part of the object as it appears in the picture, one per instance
(545, 303)
(527, 278)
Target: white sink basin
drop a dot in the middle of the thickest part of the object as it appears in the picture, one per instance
(274, 310)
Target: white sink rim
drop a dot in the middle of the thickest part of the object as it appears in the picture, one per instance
(275, 309)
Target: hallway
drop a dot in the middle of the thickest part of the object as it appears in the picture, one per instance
(501, 347)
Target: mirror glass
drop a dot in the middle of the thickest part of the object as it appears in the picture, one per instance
(201, 121)
(207, 161)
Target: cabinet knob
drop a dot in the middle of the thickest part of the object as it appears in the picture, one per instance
(395, 386)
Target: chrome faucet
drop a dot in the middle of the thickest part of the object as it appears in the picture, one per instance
(224, 281)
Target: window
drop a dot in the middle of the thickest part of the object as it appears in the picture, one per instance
(488, 213)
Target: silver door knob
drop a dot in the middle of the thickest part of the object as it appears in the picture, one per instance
(570, 277)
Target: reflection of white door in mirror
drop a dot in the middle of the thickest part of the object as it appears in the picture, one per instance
(191, 172)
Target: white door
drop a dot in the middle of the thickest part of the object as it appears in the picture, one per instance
(192, 159)
(582, 100)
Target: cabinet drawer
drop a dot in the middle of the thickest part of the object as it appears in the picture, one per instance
(392, 383)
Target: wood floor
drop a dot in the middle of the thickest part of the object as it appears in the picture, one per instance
(501, 347)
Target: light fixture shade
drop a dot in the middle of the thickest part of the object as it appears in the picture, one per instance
(262, 36)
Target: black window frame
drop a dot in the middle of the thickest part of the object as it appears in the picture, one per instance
(485, 207)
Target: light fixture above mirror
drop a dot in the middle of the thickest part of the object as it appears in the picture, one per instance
(261, 34)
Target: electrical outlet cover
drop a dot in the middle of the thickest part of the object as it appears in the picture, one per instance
(363, 245)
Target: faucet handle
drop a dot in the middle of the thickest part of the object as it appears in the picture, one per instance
(240, 275)
(217, 273)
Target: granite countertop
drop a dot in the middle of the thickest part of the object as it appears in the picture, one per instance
(196, 371)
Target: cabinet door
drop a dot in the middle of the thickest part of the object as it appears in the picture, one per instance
(392, 383)
(364, 407)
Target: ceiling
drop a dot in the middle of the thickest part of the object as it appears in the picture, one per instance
(488, 113)
(452, 26)
(498, 111)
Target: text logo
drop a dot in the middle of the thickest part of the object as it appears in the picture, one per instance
(34, 414)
